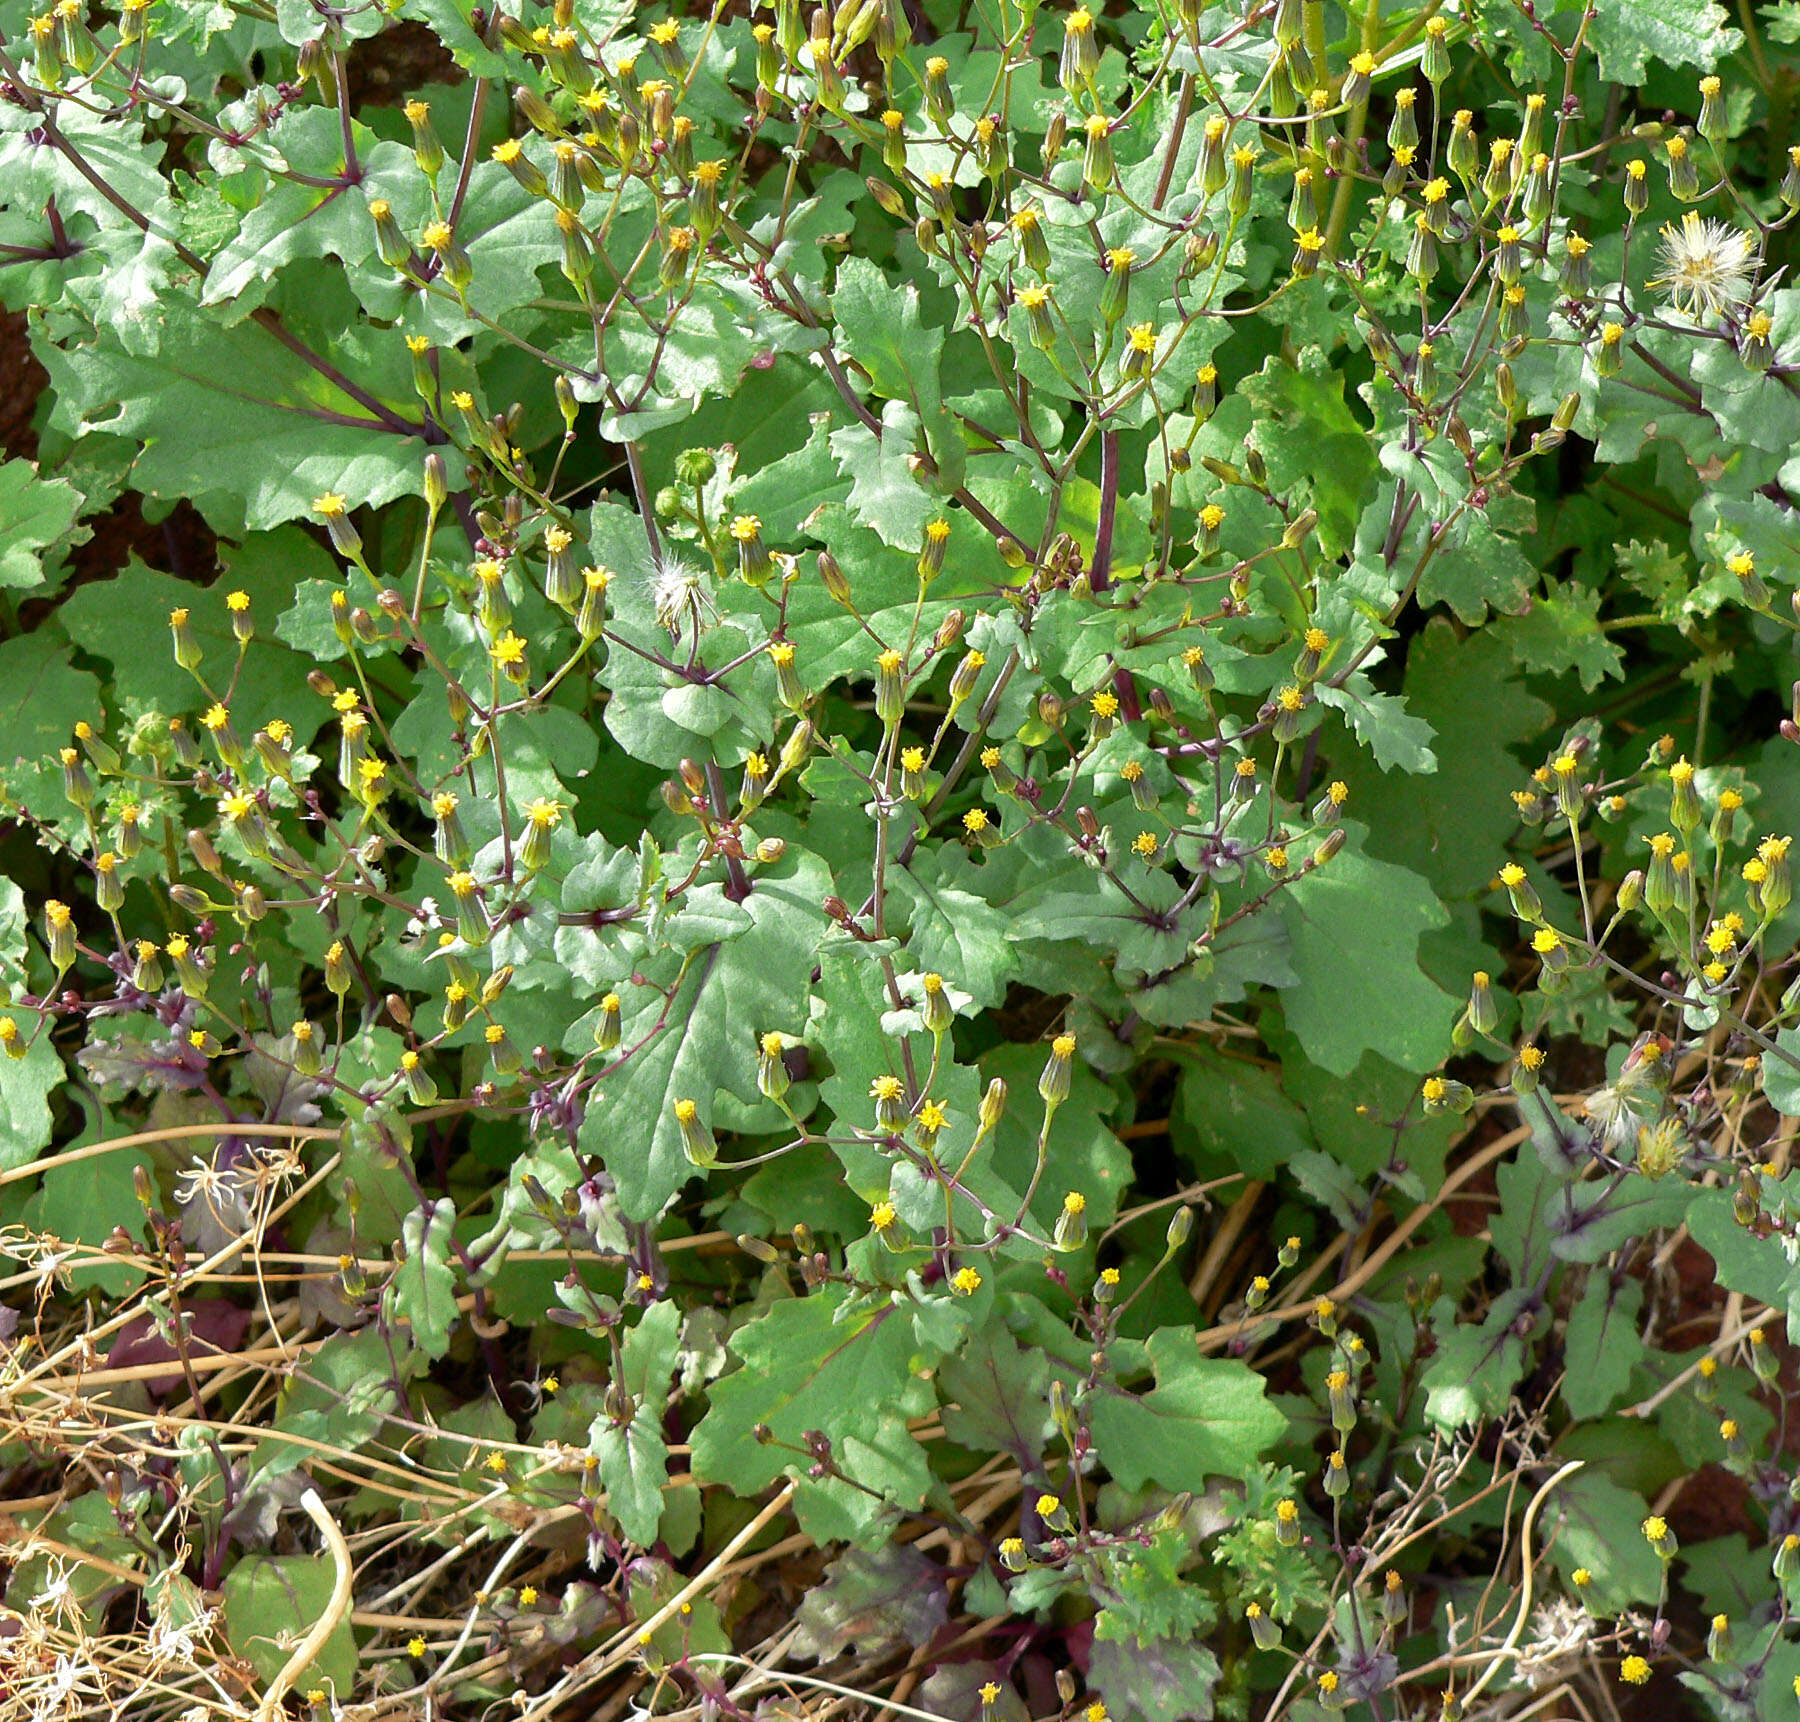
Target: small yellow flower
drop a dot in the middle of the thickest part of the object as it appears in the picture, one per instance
(528, 1596)
(965, 1282)
(415, 1647)
(508, 650)
(1634, 1671)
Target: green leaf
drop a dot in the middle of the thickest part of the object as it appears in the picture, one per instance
(1206, 1417)
(1602, 1345)
(879, 324)
(1743, 1262)
(1781, 1080)
(82, 1202)
(297, 219)
(42, 697)
(703, 1038)
(1476, 1368)
(239, 423)
(34, 513)
(1147, 1597)
(1633, 35)
(274, 1601)
(1165, 1680)
(1561, 632)
(26, 1085)
(1312, 442)
(884, 495)
(997, 1398)
(425, 1284)
(1452, 829)
(802, 1367)
(871, 1601)
(1589, 1521)
(1383, 724)
(1236, 1110)
(634, 1459)
(1354, 927)
(951, 930)
(634, 1467)
(347, 1393)
(1478, 570)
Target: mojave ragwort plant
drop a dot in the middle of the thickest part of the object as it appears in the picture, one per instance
(856, 661)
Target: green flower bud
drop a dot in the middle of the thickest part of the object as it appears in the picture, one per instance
(1098, 168)
(1071, 1222)
(1484, 1014)
(1264, 1633)
(471, 918)
(936, 1009)
(606, 1023)
(1287, 1524)
(1080, 56)
(772, 1079)
(306, 1054)
(890, 687)
(940, 103)
(1239, 185)
(428, 149)
(1462, 152)
(590, 616)
(1637, 188)
(1435, 61)
(1684, 175)
(420, 1089)
(1053, 1083)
